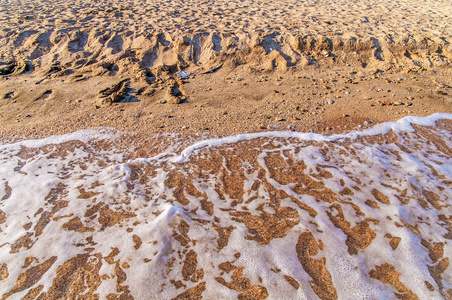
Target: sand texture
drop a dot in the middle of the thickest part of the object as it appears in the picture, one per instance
(151, 203)
(248, 64)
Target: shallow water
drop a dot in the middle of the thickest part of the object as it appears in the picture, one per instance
(281, 215)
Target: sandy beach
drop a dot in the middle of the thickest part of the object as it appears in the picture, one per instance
(225, 149)
(248, 66)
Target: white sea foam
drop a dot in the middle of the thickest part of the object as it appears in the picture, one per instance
(246, 200)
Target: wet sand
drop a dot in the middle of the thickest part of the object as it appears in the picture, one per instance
(132, 221)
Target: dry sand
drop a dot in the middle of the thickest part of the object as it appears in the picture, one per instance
(253, 65)
(248, 66)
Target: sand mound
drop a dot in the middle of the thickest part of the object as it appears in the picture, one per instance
(99, 52)
(152, 39)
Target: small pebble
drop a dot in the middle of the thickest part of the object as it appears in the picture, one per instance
(163, 101)
(14, 101)
(409, 104)
(78, 101)
(331, 102)
(280, 119)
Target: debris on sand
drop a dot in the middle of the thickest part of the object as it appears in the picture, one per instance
(115, 93)
(175, 94)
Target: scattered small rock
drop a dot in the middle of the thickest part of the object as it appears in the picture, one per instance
(331, 102)
(8, 95)
(439, 92)
(163, 101)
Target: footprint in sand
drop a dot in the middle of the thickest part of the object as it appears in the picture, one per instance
(44, 95)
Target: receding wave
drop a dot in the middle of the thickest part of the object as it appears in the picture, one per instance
(279, 215)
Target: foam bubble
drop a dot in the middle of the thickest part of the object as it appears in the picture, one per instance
(283, 214)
